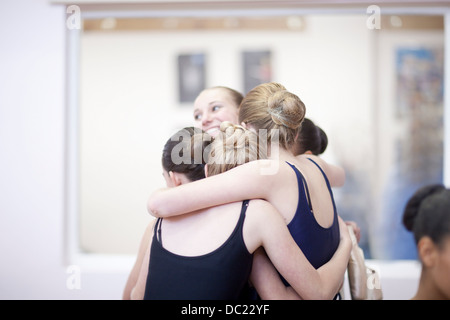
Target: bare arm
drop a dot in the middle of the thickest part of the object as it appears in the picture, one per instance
(138, 292)
(290, 261)
(134, 274)
(240, 183)
(267, 281)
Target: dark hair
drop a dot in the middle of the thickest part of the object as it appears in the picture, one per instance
(185, 153)
(427, 213)
(312, 138)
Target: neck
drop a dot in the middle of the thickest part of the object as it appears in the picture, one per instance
(281, 154)
(428, 289)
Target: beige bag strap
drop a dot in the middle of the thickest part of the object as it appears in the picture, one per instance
(361, 286)
(356, 270)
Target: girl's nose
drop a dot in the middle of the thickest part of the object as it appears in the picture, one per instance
(206, 118)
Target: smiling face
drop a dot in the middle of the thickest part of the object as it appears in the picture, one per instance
(212, 107)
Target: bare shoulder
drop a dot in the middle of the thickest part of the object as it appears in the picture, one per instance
(261, 208)
(318, 160)
(334, 173)
(261, 216)
(262, 224)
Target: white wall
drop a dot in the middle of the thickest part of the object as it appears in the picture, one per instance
(32, 102)
(32, 154)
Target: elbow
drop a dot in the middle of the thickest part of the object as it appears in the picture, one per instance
(323, 294)
(151, 208)
(319, 296)
(327, 290)
(154, 205)
(321, 291)
(328, 295)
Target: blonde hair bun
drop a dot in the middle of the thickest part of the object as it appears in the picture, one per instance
(233, 146)
(286, 109)
(234, 136)
(269, 106)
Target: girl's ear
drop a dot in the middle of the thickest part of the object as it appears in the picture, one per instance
(175, 178)
(427, 251)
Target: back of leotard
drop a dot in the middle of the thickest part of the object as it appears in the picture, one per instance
(317, 243)
(219, 275)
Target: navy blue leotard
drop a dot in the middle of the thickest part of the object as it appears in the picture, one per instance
(317, 243)
(219, 275)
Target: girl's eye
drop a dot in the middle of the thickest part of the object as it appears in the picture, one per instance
(215, 108)
(197, 116)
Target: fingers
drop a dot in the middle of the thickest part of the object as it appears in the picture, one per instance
(355, 228)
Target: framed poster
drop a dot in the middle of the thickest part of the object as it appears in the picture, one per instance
(191, 76)
(257, 68)
(419, 80)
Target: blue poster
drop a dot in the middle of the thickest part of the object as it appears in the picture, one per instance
(418, 146)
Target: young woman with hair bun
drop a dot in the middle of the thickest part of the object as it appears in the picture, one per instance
(299, 187)
(311, 139)
(427, 216)
(208, 254)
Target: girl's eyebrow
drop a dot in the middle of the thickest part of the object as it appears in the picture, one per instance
(209, 104)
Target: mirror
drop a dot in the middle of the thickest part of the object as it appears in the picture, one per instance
(376, 92)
